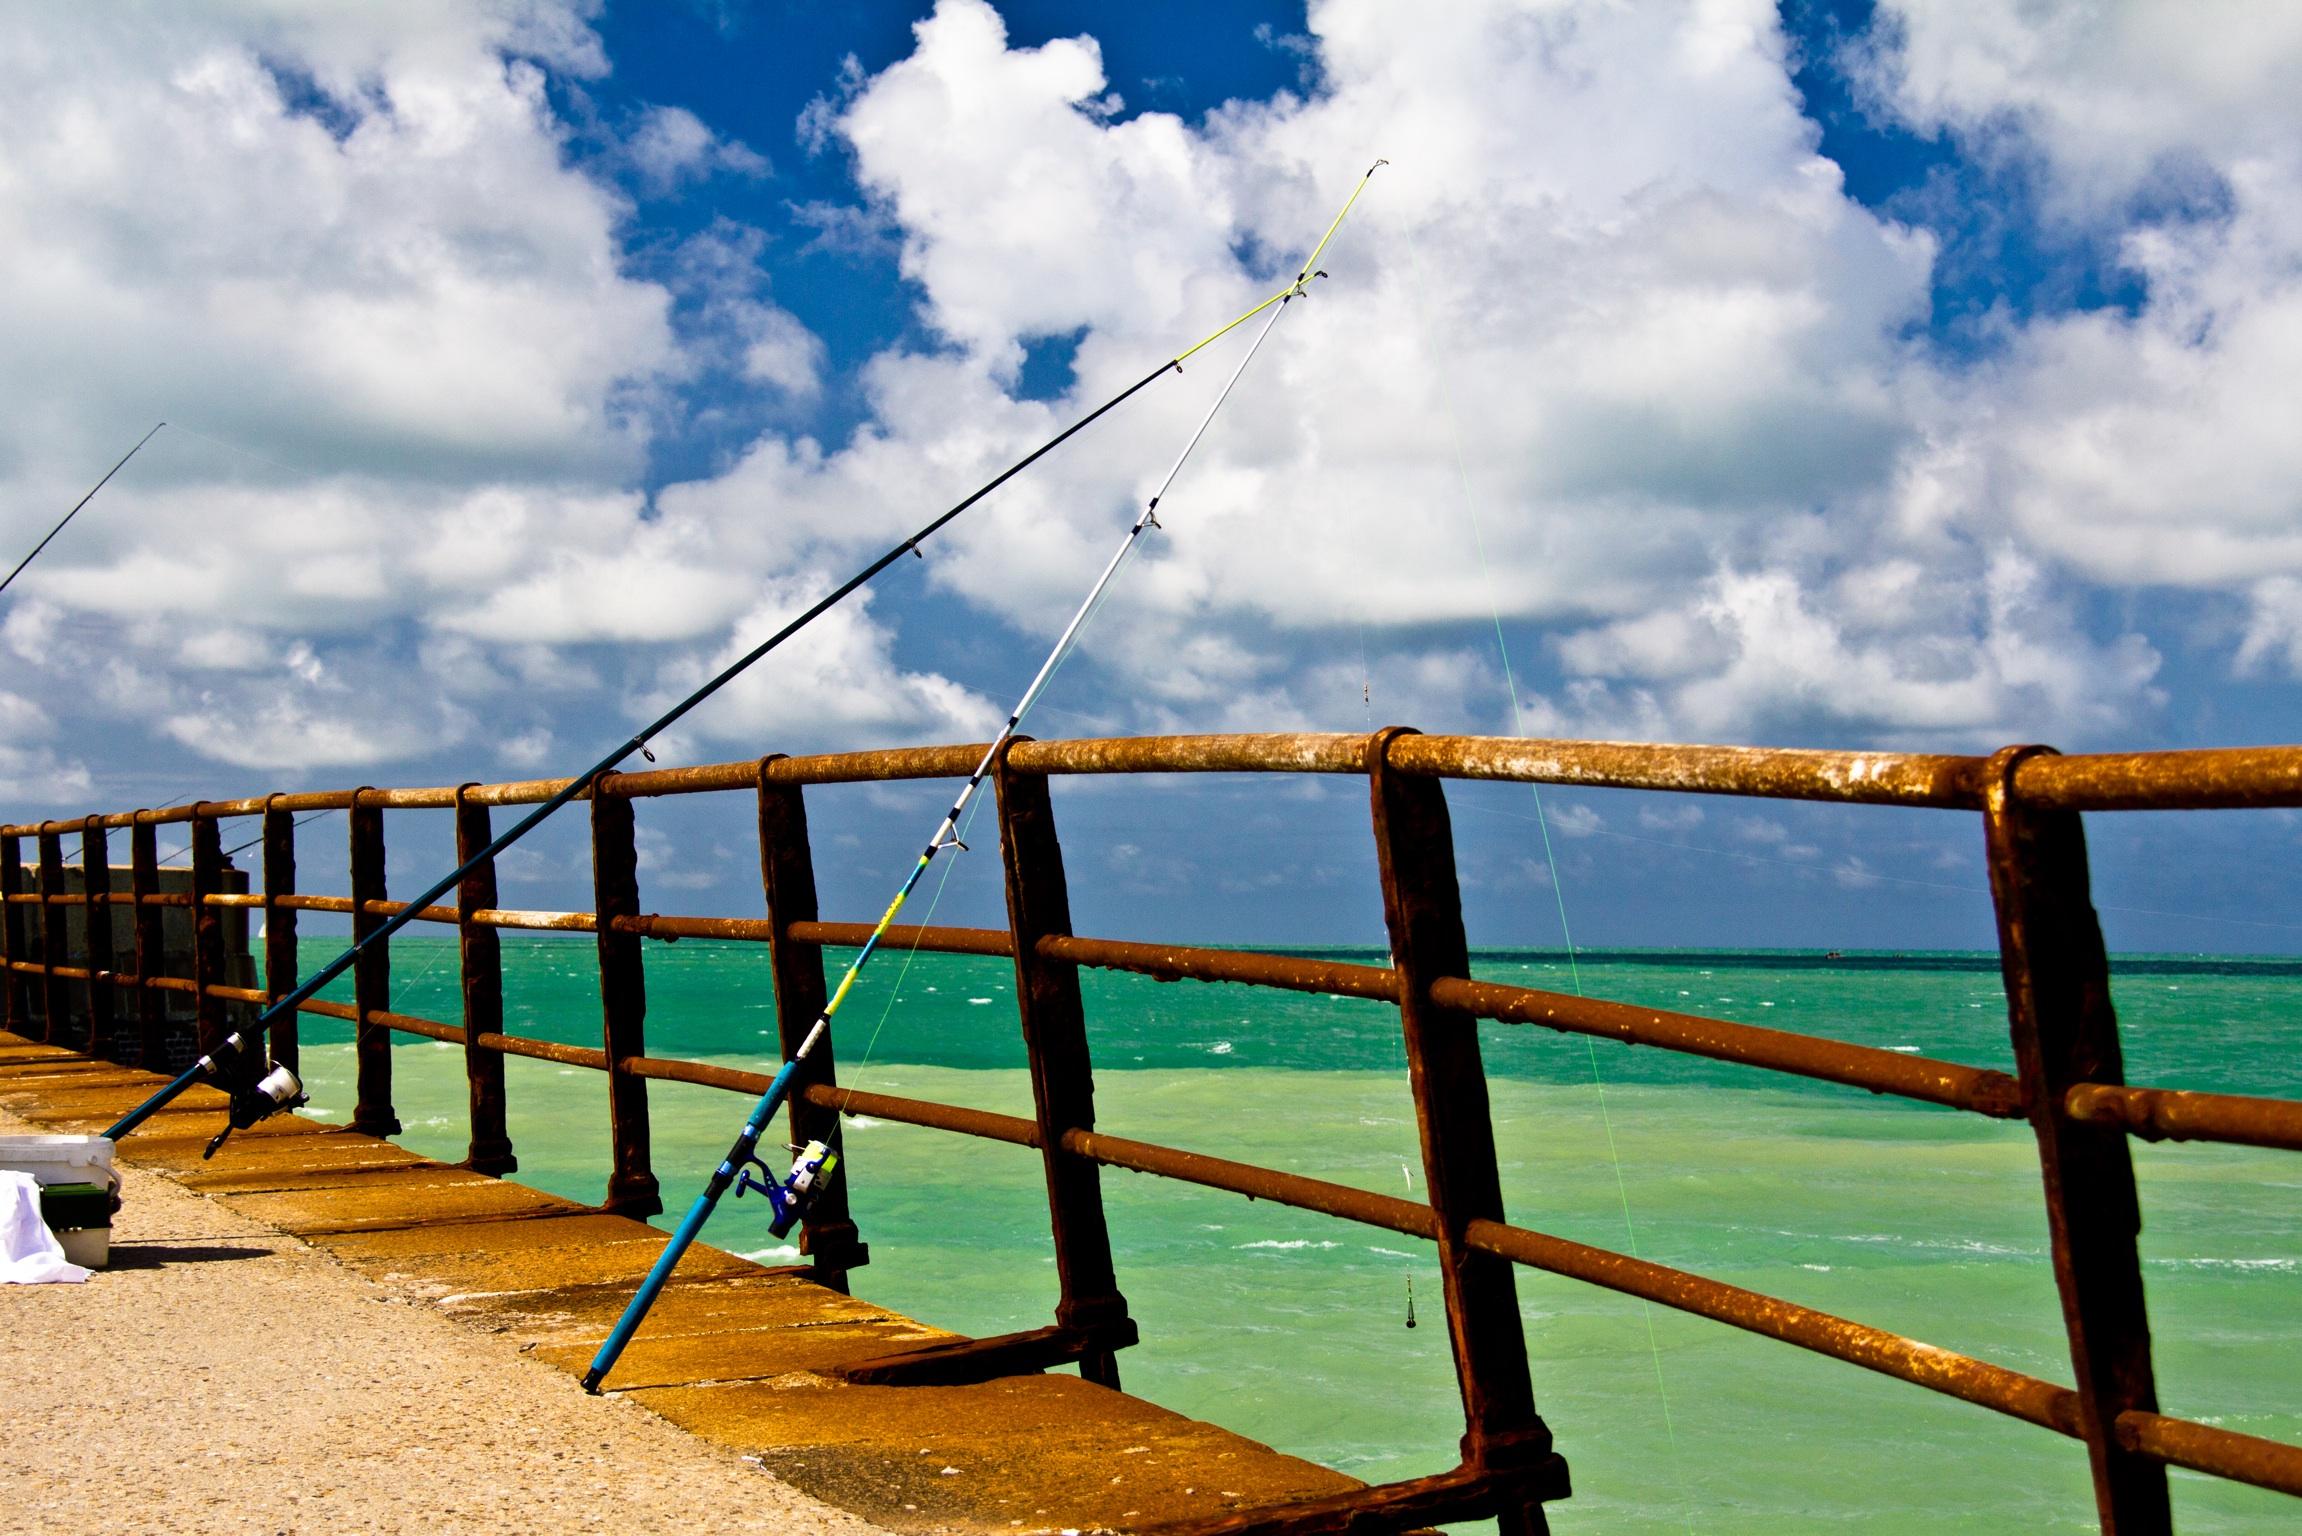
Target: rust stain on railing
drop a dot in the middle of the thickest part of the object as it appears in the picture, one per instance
(2070, 1089)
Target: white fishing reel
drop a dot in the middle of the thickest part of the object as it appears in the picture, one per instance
(277, 1090)
(791, 1195)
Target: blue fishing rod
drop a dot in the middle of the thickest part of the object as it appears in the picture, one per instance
(257, 1095)
(742, 1170)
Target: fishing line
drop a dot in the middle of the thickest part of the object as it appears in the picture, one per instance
(241, 847)
(235, 448)
(818, 1160)
(1558, 891)
(1870, 876)
(77, 505)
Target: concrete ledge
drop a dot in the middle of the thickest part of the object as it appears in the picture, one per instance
(734, 1353)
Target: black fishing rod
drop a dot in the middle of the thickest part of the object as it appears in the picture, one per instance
(279, 1089)
(77, 505)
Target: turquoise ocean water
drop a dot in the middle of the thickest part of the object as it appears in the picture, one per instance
(1290, 1327)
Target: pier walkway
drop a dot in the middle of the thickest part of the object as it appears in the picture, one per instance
(185, 1391)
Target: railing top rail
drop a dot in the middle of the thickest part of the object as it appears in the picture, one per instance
(2202, 779)
(1783, 773)
(2213, 778)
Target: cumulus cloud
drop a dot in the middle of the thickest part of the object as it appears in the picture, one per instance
(357, 261)
(350, 238)
(1633, 358)
(1612, 303)
(1759, 641)
(672, 146)
(1609, 360)
(2147, 448)
(2114, 96)
(836, 682)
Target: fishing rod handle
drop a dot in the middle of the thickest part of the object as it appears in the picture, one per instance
(635, 1311)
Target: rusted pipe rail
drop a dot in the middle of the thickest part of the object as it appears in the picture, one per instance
(2166, 1114)
(2057, 983)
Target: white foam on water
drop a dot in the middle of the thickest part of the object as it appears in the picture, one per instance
(1289, 1244)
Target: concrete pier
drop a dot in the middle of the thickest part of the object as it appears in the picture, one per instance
(734, 1355)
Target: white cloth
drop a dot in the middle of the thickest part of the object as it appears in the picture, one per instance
(29, 1252)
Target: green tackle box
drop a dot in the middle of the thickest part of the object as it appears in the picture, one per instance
(70, 1207)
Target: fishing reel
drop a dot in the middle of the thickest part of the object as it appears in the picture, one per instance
(791, 1195)
(277, 1090)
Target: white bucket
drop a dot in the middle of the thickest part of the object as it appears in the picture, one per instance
(62, 1159)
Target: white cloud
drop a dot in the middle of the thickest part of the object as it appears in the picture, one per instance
(277, 729)
(2114, 95)
(351, 239)
(1853, 874)
(2153, 448)
(1995, 656)
(2274, 628)
(1608, 299)
(1654, 349)
(1575, 820)
(672, 146)
(836, 682)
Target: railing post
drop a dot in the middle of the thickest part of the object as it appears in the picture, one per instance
(96, 887)
(151, 945)
(480, 952)
(54, 1005)
(2065, 1031)
(631, 1187)
(372, 1113)
(12, 947)
(787, 873)
(1423, 911)
(207, 926)
(280, 968)
(1062, 1069)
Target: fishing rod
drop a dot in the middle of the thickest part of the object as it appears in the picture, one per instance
(283, 1091)
(788, 1197)
(77, 505)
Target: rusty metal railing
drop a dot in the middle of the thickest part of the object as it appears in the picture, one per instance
(2069, 1083)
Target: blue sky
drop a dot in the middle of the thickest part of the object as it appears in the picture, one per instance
(1903, 374)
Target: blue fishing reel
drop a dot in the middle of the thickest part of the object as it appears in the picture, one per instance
(791, 1195)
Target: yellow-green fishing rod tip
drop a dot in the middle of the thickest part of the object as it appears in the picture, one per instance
(1214, 336)
(1301, 277)
(1313, 259)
